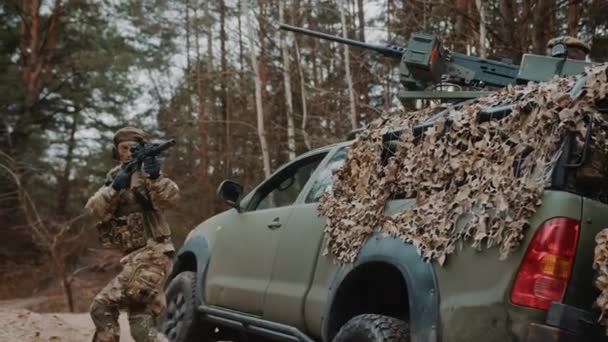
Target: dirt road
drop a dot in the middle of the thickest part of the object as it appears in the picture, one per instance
(21, 325)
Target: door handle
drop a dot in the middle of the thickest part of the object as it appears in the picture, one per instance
(275, 224)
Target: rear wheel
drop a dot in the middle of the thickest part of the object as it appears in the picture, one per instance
(181, 321)
(373, 328)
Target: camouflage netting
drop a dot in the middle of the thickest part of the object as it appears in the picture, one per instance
(466, 168)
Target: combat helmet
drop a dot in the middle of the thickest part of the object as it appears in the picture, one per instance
(569, 47)
(129, 134)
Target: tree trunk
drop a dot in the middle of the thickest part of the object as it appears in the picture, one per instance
(303, 94)
(189, 143)
(59, 262)
(224, 84)
(481, 7)
(291, 136)
(263, 64)
(258, 90)
(312, 44)
(541, 29)
(573, 17)
(241, 57)
(363, 77)
(209, 67)
(187, 5)
(349, 79)
(200, 94)
(67, 289)
(524, 32)
(361, 16)
(508, 30)
(461, 32)
(213, 148)
(37, 42)
(243, 89)
(64, 182)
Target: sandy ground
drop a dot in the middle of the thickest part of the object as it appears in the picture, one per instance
(18, 324)
(36, 318)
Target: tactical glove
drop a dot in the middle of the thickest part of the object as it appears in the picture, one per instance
(121, 181)
(152, 167)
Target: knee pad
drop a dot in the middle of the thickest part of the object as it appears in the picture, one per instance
(103, 314)
(143, 328)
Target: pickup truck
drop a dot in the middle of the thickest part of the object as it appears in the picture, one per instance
(258, 270)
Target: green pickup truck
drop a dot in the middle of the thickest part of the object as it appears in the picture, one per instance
(258, 271)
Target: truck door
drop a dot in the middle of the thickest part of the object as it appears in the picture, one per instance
(299, 248)
(241, 264)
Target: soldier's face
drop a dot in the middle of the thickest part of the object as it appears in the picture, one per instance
(124, 150)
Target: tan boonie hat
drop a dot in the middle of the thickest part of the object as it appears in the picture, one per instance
(128, 134)
(570, 42)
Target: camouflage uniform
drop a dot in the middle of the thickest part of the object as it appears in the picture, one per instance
(131, 220)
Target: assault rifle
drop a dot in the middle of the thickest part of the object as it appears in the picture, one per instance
(142, 151)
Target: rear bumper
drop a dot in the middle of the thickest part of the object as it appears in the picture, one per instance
(566, 324)
(547, 333)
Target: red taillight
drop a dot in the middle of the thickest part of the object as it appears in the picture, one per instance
(545, 270)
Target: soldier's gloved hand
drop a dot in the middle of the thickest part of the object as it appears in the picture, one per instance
(121, 181)
(152, 167)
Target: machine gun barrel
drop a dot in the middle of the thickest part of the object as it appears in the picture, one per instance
(388, 50)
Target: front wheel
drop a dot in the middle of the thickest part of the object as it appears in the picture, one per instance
(181, 320)
(373, 328)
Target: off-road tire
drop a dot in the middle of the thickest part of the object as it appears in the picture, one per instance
(180, 322)
(373, 328)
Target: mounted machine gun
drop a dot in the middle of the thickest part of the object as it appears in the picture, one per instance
(425, 63)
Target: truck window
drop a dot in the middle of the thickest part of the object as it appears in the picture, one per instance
(283, 189)
(325, 179)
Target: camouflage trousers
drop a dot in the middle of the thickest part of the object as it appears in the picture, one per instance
(138, 289)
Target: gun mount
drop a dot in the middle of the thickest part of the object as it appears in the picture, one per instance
(425, 63)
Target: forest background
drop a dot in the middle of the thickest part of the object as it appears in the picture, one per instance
(240, 96)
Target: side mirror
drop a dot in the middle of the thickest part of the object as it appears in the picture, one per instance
(230, 192)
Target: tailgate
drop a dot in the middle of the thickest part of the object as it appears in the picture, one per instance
(575, 320)
(581, 292)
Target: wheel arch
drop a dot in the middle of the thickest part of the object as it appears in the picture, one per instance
(396, 262)
(193, 256)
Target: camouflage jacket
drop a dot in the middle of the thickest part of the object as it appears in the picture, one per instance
(132, 218)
